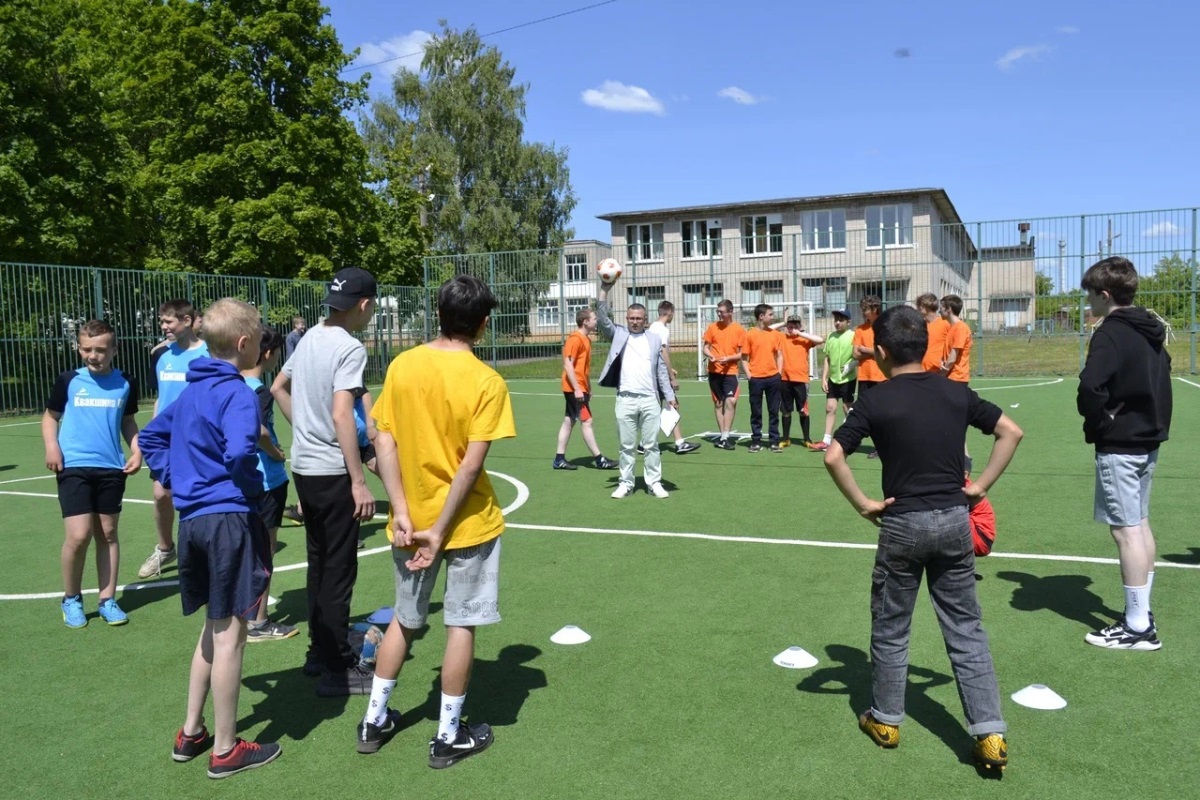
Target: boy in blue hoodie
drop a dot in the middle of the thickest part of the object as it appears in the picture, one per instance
(204, 448)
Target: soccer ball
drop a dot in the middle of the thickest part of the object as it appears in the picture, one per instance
(608, 270)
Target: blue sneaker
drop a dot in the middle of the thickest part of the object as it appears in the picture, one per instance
(111, 613)
(72, 611)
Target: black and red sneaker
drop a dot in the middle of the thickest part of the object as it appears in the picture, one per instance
(188, 747)
(244, 755)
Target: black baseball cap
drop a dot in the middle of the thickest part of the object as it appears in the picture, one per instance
(348, 287)
(842, 312)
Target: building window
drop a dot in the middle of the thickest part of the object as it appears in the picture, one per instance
(701, 238)
(826, 294)
(755, 292)
(824, 230)
(649, 296)
(576, 267)
(698, 294)
(547, 313)
(896, 293)
(644, 242)
(888, 226)
(762, 234)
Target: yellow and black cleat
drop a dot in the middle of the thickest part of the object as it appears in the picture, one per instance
(991, 752)
(882, 734)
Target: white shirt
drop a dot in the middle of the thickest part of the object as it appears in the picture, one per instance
(663, 332)
(635, 366)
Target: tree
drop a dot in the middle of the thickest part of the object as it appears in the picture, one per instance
(64, 172)
(456, 134)
(1169, 290)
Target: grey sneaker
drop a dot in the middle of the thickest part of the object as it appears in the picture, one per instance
(152, 566)
(755, 447)
(686, 447)
(775, 448)
(270, 631)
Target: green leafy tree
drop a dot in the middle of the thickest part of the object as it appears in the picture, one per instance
(455, 135)
(64, 172)
(1168, 290)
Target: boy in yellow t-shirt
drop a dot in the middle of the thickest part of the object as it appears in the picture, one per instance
(438, 413)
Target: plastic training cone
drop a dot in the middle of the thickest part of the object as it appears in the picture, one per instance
(795, 657)
(272, 600)
(381, 616)
(570, 634)
(1040, 697)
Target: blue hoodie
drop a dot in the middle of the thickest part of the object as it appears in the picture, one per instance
(204, 447)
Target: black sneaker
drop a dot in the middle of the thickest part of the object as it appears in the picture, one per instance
(725, 444)
(244, 755)
(562, 463)
(470, 740)
(1118, 636)
(755, 447)
(686, 447)
(313, 667)
(605, 463)
(873, 454)
(641, 451)
(188, 747)
(371, 737)
(354, 680)
(776, 448)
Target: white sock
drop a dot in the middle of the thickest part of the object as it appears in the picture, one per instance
(680, 441)
(449, 717)
(381, 690)
(1137, 608)
(827, 438)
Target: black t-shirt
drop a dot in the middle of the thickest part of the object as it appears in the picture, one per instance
(918, 422)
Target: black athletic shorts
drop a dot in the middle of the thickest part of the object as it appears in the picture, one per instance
(224, 563)
(576, 410)
(271, 505)
(795, 397)
(90, 490)
(365, 454)
(842, 391)
(722, 387)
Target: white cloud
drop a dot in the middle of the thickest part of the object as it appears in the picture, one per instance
(1161, 230)
(739, 96)
(411, 46)
(1069, 30)
(1020, 53)
(617, 96)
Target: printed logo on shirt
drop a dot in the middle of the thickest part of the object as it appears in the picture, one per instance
(95, 402)
(180, 377)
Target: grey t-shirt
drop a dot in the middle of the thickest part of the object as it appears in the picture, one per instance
(327, 360)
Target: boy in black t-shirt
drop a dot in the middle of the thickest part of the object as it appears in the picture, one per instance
(918, 422)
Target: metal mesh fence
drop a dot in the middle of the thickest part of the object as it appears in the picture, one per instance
(1018, 280)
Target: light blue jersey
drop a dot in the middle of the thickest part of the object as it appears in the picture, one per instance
(172, 371)
(92, 408)
(273, 472)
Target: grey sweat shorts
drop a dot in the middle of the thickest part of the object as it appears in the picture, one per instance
(472, 587)
(1123, 488)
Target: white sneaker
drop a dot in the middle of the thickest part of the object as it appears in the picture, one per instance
(623, 490)
(658, 491)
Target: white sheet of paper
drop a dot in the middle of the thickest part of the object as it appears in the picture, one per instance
(668, 420)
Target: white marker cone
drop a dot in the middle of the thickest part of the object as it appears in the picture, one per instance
(795, 658)
(570, 634)
(1040, 697)
(272, 600)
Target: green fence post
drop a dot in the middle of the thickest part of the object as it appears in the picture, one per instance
(979, 295)
(492, 318)
(425, 297)
(1082, 267)
(264, 300)
(98, 293)
(1192, 321)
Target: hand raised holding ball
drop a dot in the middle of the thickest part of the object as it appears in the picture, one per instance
(608, 271)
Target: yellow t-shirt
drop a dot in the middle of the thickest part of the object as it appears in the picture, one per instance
(433, 403)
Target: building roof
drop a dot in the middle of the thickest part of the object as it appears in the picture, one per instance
(939, 196)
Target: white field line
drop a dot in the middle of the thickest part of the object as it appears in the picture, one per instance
(1189, 383)
(521, 499)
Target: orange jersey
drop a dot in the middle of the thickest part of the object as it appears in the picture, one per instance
(727, 341)
(938, 330)
(578, 348)
(761, 346)
(795, 358)
(959, 338)
(864, 336)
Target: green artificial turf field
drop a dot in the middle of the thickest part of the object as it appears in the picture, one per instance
(686, 599)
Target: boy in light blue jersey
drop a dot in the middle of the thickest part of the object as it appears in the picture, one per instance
(88, 412)
(271, 459)
(179, 323)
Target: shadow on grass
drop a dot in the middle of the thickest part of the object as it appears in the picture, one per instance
(852, 677)
(498, 690)
(134, 598)
(1191, 557)
(1065, 595)
(7, 467)
(288, 705)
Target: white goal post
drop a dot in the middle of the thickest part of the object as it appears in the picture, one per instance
(743, 313)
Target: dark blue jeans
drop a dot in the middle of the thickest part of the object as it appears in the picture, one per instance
(770, 387)
(938, 545)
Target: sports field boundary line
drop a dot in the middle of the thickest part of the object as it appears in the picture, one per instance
(1189, 383)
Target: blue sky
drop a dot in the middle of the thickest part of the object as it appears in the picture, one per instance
(1018, 109)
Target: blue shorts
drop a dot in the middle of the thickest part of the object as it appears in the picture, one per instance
(224, 563)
